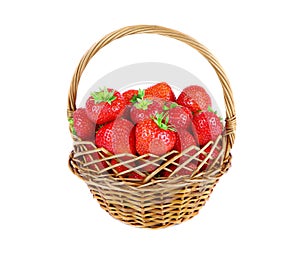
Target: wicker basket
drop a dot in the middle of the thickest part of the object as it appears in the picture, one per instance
(153, 202)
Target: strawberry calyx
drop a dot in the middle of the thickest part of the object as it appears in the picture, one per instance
(71, 123)
(171, 106)
(210, 109)
(162, 121)
(143, 104)
(103, 95)
(139, 96)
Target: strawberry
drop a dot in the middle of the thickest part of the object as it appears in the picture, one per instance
(161, 90)
(207, 126)
(180, 116)
(148, 165)
(117, 137)
(129, 95)
(134, 175)
(154, 135)
(132, 95)
(122, 168)
(119, 169)
(184, 140)
(144, 109)
(213, 156)
(84, 128)
(104, 105)
(92, 160)
(190, 168)
(195, 98)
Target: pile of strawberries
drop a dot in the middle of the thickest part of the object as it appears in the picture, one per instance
(149, 121)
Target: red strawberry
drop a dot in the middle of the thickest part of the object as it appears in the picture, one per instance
(104, 105)
(132, 95)
(184, 140)
(154, 136)
(134, 175)
(190, 168)
(144, 109)
(180, 116)
(195, 98)
(207, 126)
(121, 168)
(83, 126)
(129, 94)
(213, 156)
(117, 137)
(161, 90)
(93, 160)
(148, 165)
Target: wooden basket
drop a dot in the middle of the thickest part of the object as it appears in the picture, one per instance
(153, 202)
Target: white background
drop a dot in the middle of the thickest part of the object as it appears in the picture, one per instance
(48, 217)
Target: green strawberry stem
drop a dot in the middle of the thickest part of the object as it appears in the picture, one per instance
(139, 96)
(142, 104)
(103, 95)
(162, 120)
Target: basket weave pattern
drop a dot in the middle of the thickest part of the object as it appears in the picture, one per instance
(155, 201)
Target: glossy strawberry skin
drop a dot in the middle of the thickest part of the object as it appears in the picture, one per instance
(150, 138)
(138, 114)
(160, 90)
(184, 140)
(129, 94)
(195, 98)
(207, 126)
(101, 112)
(84, 127)
(180, 117)
(117, 137)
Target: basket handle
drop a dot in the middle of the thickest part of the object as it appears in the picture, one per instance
(154, 29)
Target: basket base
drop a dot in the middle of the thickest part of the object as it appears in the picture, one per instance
(158, 217)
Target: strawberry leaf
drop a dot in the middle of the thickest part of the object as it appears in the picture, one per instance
(142, 104)
(71, 123)
(140, 95)
(162, 120)
(103, 95)
(165, 108)
(173, 105)
(210, 109)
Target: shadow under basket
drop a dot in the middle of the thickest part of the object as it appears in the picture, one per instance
(153, 200)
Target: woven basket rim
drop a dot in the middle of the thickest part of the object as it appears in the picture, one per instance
(81, 166)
